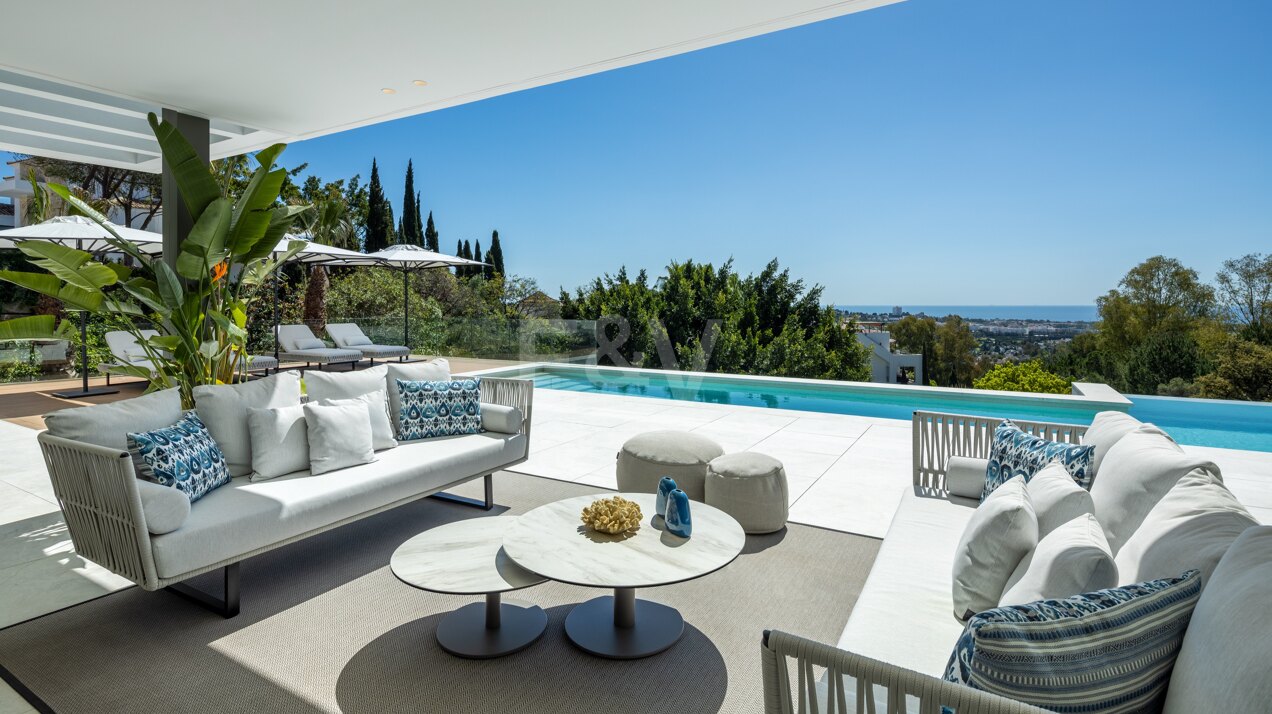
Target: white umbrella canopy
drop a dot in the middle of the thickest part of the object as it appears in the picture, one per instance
(82, 233)
(317, 253)
(409, 257)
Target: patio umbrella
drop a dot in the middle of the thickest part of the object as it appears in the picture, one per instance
(83, 234)
(407, 258)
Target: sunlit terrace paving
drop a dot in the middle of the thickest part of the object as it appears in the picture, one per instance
(846, 473)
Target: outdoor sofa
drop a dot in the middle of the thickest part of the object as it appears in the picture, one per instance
(154, 536)
(125, 352)
(349, 336)
(298, 344)
(893, 652)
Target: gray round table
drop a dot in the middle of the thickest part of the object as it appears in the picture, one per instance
(553, 542)
(467, 558)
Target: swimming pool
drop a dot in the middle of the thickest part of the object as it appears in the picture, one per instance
(1234, 425)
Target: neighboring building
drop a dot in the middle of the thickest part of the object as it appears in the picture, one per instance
(886, 366)
(17, 189)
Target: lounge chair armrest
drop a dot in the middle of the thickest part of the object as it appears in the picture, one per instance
(850, 680)
(97, 490)
(939, 436)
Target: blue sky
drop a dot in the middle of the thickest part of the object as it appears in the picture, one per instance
(931, 152)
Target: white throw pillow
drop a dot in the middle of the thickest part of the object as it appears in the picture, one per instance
(435, 370)
(223, 410)
(339, 436)
(1057, 498)
(1071, 560)
(1223, 662)
(965, 476)
(1000, 534)
(1190, 528)
(501, 419)
(1140, 468)
(310, 343)
(164, 507)
(344, 385)
(280, 442)
(1107, 429)
(378, 408)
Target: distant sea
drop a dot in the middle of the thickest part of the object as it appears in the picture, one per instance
(1055, 313)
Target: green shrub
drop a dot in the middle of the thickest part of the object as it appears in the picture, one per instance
(1023, 377)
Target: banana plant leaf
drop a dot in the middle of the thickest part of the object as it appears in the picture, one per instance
(194, 180)
(35, 327)
(205, 246)
(75, 267)
(53, 287)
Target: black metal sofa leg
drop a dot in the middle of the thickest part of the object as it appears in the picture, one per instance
(485, 505)
(227, 606)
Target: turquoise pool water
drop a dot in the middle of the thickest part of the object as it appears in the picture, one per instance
(1234, 425)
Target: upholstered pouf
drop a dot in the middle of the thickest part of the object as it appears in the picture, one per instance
(646, 458)
(750, 487)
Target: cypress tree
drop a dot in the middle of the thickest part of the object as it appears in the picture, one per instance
(459, 253)
(478, 270)
(390, 236)
(378, 224)
(468, 253)
(494, 256)
(418, 238)
(430, 235)
(410, 212)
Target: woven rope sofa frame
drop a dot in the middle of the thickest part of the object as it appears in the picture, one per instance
(939, 436)
(874, 683)
(96, 488)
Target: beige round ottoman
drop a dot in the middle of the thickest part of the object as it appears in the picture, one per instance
(646, 458)
(750, 487)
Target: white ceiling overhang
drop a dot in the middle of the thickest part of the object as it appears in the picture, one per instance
(77, 78)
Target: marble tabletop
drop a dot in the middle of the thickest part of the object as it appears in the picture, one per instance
(552, 541)
(462, 558)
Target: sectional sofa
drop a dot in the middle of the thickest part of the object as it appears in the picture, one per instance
(153, 535)
(1164, 512)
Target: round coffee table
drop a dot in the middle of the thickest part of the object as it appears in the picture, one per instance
(551, 541)
(467, 558)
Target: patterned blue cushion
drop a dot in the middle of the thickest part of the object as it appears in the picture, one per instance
(442, 408)
(1015, 453)
(183, 456)
(1106, 652)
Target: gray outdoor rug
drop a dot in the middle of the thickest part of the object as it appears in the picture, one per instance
(325, 627)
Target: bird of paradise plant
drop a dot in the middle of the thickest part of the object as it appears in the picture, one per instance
(198, 304)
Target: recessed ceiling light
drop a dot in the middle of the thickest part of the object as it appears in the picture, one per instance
(389, 90)
(420, 83)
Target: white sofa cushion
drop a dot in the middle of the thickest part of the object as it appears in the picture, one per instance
(1191, 527)
(280, 442)
(339, 435)
(1000, 534)
(344, 385)
(1107, 429)
(965, 476)
(433, 370)
(223, 409)
(1057, 498)
(500, 418)
(1140, 468)
(378, 409)
(109, 424)
(1223, 663)
(911, 575)
(242, 517)
(1072, 559)
(165, 508)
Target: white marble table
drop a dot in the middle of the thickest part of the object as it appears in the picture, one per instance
(467, 558)
(552, 541)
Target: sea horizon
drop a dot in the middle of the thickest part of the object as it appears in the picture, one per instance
(1055, 313)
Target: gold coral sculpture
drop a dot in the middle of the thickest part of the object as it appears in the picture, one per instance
(612, 515)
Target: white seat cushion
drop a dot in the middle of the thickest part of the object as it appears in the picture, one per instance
(903, 615)
(1140, 468)
(1107, 429)
(242, 516)
(1001, 533)
(109, 424)
(344, 385)
(1072, 559)
(1190, 528)
(1056, 498)
(1223, 663)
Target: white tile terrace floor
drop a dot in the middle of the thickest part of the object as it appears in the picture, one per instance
(845, 472)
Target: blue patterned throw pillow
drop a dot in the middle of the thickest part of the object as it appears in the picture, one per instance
(447, 407)
(183, 456)
(1015, 453)
(1105, 652)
